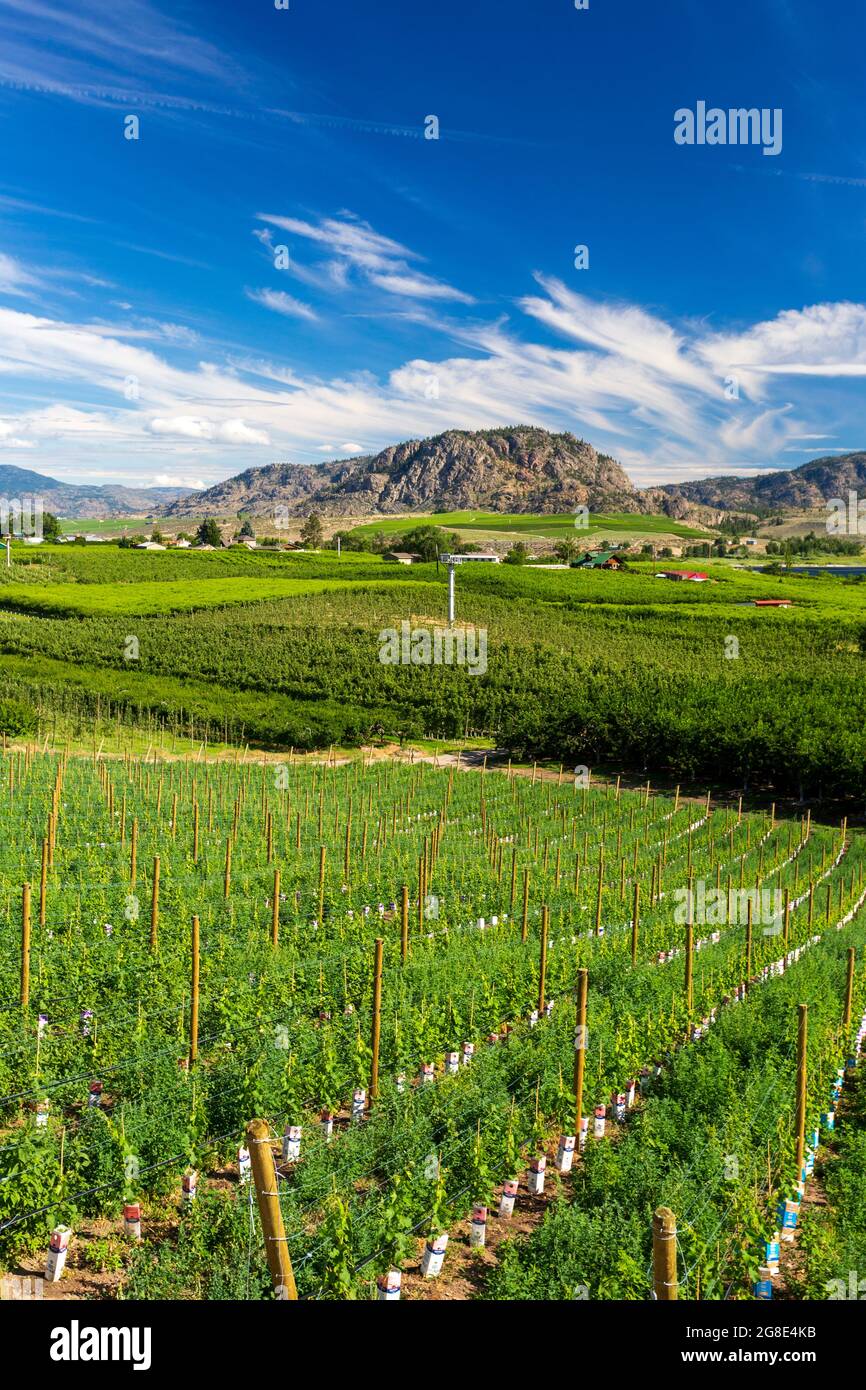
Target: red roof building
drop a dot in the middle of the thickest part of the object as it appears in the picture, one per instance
(697, 575)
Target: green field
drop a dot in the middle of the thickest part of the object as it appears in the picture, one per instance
(102, 526)
(96, 1112)
(152, 873)
(152, 597)
(626, 671)
(476, 525)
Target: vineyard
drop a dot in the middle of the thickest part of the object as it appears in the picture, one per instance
(282, 651)
(367, 1028)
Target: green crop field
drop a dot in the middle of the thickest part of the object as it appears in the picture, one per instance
(383, 965)
(477, 525)
(377, 959)
(101, 526)
(622, 670)
(152, 597)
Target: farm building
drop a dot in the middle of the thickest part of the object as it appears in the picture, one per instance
(602, 560)
(696, 576)
(402, 557)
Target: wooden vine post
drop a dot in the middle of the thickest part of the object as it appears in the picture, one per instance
(542, 963)
(600, 890)
(665, 1255)
(635, 923)
(133, 854)
(154, 904)
(580, 1049)
(524, 929)
(43, 883)
(377, 1019)
(227, 881)
(849, 991)
(802, 1051)
(25, 945)
(275, 911)
(270, 1214)
(193, 1015)
(690, 952)
(404, 923)
(322, 853)
(787, 919)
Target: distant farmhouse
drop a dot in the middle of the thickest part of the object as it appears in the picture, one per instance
(696, 576)
(601, 560)
(402, 557)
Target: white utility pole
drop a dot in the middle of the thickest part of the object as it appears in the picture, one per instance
(449, 561)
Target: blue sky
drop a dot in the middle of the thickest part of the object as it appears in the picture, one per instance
(151, 329)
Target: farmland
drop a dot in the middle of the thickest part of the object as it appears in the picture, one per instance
(380, 961)
(603, 669)
(384, 960)
(479, 527)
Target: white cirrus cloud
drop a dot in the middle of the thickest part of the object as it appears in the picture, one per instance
(819, 340)
(15, 278)
(640, 385)
(350, 243)
(282, 303)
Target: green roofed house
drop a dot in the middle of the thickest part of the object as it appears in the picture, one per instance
(601, 560)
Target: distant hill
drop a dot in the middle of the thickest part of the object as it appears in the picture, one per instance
(515, 469)
(72, 500)
(518, 469)
(806, 488)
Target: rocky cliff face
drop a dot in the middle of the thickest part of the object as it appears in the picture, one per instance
(809, 487)
(521, 469)
(517, 469)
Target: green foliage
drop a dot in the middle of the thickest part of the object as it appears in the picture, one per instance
(209, 533)
(17, 719)
(312, 533)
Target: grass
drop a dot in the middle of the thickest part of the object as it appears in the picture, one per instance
(104, 526)
(556, 527)
(151, 598)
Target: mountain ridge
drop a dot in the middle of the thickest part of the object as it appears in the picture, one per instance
(519, 468)
(514, 468)
(86, 500)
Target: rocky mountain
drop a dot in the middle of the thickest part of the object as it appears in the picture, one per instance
(516, 469)
(70, 500)
(513, 469)
(809, 487)
(260, 491)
